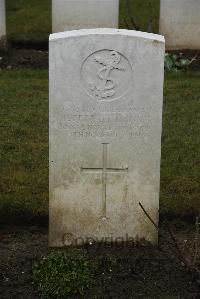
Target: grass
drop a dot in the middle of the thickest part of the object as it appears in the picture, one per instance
(180, 174)
(24, 143)
(142, 11)
(30, 20)
(62, 273)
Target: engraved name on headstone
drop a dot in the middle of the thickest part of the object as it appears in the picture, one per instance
(106, 90)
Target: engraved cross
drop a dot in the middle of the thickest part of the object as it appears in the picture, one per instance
(104, 171)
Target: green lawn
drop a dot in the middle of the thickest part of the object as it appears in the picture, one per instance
(24, 143)
(30, 20)
(180, 174)
(141, 11)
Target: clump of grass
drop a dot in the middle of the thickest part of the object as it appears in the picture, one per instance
(62, 273)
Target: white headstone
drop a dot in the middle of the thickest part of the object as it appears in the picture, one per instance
(180, 23)
(2, 21)
(78, 14)
(106, 94)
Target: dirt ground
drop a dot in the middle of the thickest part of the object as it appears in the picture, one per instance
(16, 58)
(24, 58)
(140, 271)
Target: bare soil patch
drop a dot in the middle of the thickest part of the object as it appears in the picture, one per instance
(36, 57)
(123, 271)
(24, 58)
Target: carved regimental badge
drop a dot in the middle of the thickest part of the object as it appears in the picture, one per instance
(106, 75)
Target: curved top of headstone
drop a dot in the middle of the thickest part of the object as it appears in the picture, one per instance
(107, 31)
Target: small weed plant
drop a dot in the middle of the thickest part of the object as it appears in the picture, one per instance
(175, 63)
(62, 273)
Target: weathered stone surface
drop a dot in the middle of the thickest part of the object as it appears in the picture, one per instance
(2, 23)
(180, 23)
(78, 14)
(106, 91)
